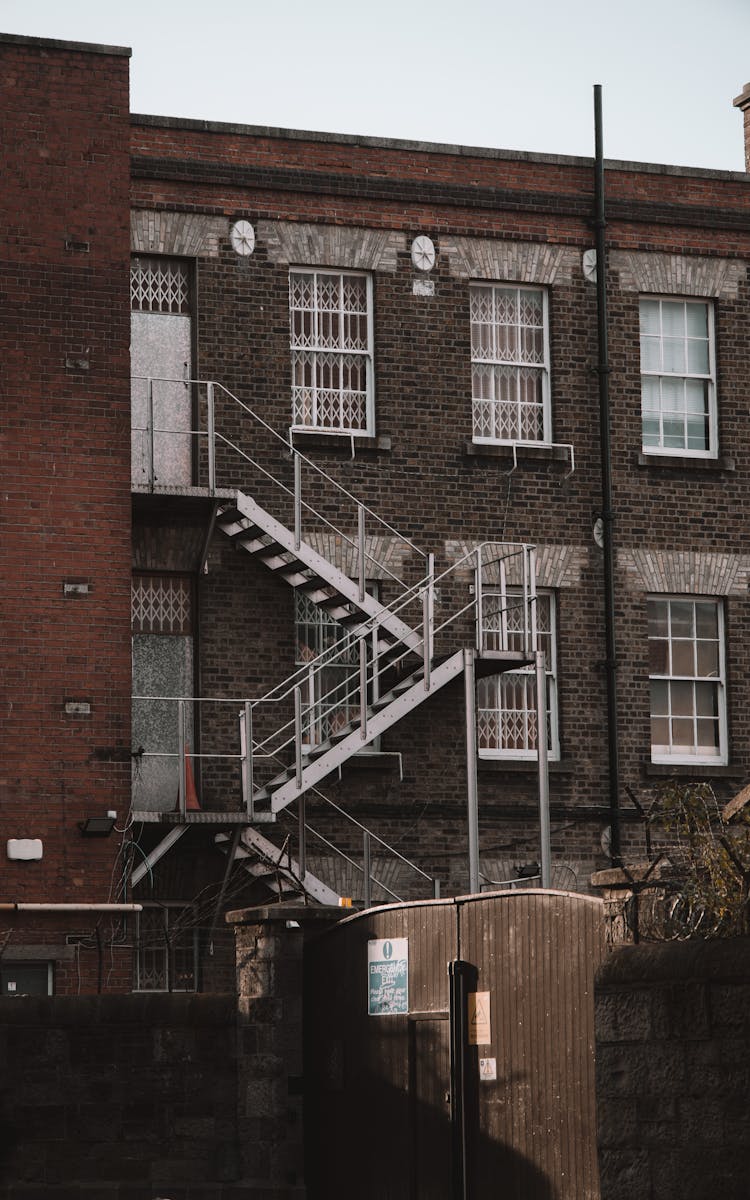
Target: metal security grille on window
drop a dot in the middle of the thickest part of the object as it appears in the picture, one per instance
(677, 377)
(159, 285)
(686, 672)
(510, 367)
(166, 956)
(506, 709)
(331, 352)
(161, 604)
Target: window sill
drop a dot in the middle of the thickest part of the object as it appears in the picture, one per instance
(682, 770)
(497, 766)
(685, 462)
(341, 441)
(373, 760)
(523, 452)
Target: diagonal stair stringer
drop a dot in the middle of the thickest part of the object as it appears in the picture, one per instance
(258, 849)
(284, 790)
(304, 554)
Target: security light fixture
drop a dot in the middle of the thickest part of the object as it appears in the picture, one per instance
(528, 870)
(97, 826)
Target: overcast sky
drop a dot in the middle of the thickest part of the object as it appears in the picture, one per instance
(506, 74)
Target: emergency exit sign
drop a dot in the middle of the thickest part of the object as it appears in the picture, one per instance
(387, 977)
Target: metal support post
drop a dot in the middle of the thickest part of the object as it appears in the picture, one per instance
(298, 736)
(150, 430)
(478, 599)
(366, 870)
(210, 430)
(249, 783)
(231, 855)
(542, 765)
(361, 546)
(504, 641)
(427, 620)
(297, 501)
(533, 597)
(471, 769)
(363, 689)
(181, 751)
(301, 839)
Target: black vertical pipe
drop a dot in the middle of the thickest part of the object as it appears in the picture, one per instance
(457, 1011)
(607, 515)
(463, 977)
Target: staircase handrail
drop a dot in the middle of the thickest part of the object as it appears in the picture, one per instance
(369, 624)
(211, 433)
(381, 842)
(319, 470)
(328, 657)
(353, 694)
(284, 736)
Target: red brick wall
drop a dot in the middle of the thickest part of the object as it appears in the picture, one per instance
(64, 361)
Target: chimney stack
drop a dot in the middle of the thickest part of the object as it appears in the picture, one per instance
(742, 102)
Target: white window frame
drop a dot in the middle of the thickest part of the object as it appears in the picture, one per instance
(497, 359)
(671, 751)
(366, 429)
(494, 686)
(709, 379)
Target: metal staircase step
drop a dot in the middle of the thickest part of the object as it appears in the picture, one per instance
(242, 519)
(251, 542)
(276, 562)
(293, 575)
(334, 608)
(272, 549)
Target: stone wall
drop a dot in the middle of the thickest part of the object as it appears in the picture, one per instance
(673, 1071)
(119, 1098)
(163, 1097)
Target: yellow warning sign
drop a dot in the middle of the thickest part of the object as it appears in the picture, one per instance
(480, 1031)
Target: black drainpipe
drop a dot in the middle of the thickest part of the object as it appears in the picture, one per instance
(607, 515)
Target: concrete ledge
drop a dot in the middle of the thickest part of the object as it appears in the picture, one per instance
(302, 913)
(19, 39)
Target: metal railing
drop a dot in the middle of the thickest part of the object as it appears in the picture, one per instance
(506, 626)
(236, 467)
(492, 587)
(370, 882)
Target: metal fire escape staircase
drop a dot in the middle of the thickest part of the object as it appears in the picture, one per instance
(403, 654)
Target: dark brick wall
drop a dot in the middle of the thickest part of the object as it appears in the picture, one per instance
(65, 448)
(673, 1070)
(428, 487)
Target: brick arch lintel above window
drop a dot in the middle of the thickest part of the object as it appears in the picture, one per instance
(519, 262)
(339, 246)
(678, 274)
(557, 566)
(189, 235)
(384, 554)
(688, 572)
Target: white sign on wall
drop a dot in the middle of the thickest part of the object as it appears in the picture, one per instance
(387, 977)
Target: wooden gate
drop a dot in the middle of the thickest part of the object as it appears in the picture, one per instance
(477, 1081)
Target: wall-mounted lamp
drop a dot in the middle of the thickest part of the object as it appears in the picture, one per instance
(97, 826)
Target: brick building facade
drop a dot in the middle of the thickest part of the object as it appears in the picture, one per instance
(415, 325)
